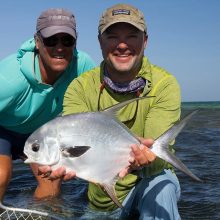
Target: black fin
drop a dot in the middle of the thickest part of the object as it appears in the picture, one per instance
(75, 151)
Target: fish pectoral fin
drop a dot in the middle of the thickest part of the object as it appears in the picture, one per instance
(75, 151)
(110, 191)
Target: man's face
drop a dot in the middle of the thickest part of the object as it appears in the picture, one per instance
(123, 47)
(55, 52)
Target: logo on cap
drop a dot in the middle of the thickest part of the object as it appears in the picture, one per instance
(121, 11)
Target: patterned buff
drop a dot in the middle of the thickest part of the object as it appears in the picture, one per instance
(129, 87)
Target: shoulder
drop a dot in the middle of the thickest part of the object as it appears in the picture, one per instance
(7, 62)
(81, 92)
(87, 84)
(81, 54)
(83, 57)
(10, 70)
(162, 79)
(155, 74)
(163, 85)
(12, 81)
(160, 74)
(88, 79)
(83, 62)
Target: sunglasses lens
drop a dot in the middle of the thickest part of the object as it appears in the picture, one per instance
(66, 41)
(50, 41)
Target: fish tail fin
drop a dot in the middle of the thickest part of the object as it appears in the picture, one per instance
(110, 190)
(161, 146)
(172, 159)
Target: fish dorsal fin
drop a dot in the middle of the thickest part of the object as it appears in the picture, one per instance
(113, 109)
(75, 151)
(109, 188)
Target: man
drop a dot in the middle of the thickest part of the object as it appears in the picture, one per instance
(124, 74)
(32, 85)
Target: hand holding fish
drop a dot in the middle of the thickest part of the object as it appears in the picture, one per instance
(60, 172)
(142, 156)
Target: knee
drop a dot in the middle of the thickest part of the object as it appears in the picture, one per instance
(4, 178)
(172, 189)
(160, 192)
(169, 190)
(160, 202)
(168, 186)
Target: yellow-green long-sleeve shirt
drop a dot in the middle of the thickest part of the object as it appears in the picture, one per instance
(146, 118)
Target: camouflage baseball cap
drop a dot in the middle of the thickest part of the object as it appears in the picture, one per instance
(56, 20)
(122, 13)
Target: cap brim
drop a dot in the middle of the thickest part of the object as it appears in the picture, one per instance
(50, 31)
(122, 21)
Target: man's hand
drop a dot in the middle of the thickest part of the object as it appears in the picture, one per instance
(141, 156)
(46, 171)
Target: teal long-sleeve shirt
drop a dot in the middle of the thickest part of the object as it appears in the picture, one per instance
(25, 102)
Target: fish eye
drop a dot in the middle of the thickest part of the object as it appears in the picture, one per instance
(35, 147)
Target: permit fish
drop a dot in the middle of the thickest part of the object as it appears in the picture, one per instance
(96, 145)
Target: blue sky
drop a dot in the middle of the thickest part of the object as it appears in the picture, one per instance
(184, 36)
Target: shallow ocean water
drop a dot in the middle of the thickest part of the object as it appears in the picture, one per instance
(198, 146)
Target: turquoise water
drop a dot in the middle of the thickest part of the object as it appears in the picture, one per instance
(200, 105)
(198, 146)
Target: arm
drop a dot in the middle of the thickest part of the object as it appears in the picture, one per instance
(164, 112)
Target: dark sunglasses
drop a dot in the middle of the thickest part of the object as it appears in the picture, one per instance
(66, 40)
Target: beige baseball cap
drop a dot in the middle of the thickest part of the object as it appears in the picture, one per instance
(122, 13)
